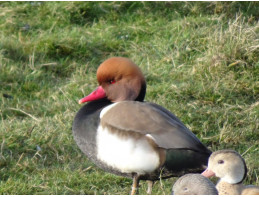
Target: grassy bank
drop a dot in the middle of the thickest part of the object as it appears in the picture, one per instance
(200, 60)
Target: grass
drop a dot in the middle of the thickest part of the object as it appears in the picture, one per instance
(200, 60)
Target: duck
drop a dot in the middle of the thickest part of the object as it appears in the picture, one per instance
(194, 184)
(231, 169)
(127, 136)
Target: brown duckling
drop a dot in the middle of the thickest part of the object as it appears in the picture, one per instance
(231, 168)
(194, 184)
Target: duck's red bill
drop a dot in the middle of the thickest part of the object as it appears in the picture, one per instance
(95, 95)
(208, 173)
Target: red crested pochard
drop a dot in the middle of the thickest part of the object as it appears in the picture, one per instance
(124, 135)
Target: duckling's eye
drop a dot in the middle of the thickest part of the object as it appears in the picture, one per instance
(220, 161)
(112, 81)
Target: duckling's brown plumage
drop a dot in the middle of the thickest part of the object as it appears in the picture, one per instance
(231, 168)
(194, 184)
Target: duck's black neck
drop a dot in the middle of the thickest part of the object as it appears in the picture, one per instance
(97, 104)
(142, 93)
(92, 107)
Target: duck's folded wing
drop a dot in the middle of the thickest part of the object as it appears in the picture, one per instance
(152, 120)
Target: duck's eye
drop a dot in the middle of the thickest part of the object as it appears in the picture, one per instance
(220, 161)
(112, 81)
(185, 189)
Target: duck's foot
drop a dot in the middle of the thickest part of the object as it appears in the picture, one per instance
(150, 185)
(135, 185)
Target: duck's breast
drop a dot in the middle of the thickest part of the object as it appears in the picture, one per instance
(126, 152)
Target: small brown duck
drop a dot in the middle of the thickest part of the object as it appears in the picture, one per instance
(194, 184)
(231, 168)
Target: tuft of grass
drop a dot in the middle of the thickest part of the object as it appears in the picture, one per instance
(200, 60)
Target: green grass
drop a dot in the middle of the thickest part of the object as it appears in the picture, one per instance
(200, 60)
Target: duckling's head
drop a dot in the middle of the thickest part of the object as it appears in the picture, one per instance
(194, 184)
(228, 165)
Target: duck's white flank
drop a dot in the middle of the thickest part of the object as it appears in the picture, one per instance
(126, 153)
